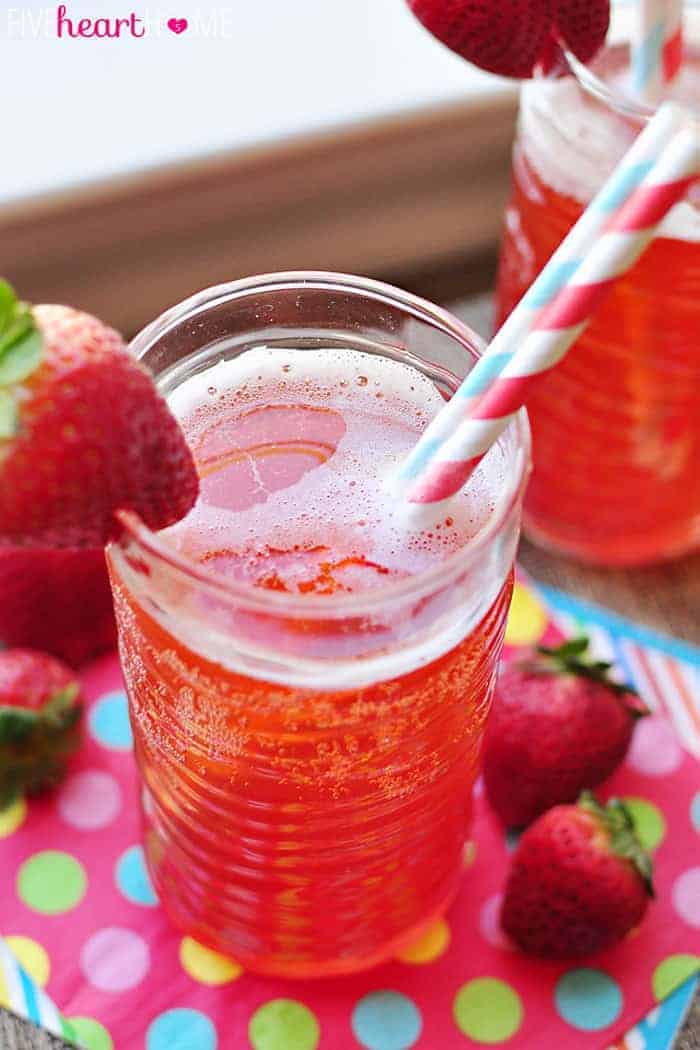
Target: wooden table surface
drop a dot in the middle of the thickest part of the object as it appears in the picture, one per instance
(666, 597)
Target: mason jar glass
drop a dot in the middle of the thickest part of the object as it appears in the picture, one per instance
(616, 425)
(307, 760)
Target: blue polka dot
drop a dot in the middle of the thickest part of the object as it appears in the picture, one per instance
(695, 812)
(133, 878)
(588, 999)
(109, 722)
(386, 1021)
(181, 1030)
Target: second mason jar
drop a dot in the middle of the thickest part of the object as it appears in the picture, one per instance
(616, 425)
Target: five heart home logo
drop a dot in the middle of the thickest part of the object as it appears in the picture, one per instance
(110, 27)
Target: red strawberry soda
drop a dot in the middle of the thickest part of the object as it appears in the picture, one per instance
(616, 426)
(308, 673)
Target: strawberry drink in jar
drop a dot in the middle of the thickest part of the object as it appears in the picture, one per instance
(309, 671)
(616, 426)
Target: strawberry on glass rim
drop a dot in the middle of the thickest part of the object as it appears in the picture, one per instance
(516, 38)
(83, 433)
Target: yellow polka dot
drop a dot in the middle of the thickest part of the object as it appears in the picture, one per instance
(12, 817)
(433, 943)
(468, 854)
(527, 620)
(4, 993)
(205, 966)
(32, 957)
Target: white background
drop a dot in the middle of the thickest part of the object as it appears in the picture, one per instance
(76, 110)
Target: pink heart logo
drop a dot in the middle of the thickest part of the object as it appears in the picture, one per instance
(177, 25)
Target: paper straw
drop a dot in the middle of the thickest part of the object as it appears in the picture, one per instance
(20, 994)
(657, 47)
(565, 312)
(562, 266)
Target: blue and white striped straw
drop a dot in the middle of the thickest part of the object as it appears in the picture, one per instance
(657, 47)
(20, 994)
(563, 265)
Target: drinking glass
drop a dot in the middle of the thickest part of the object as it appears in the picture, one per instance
(616, 425)
(307, 760)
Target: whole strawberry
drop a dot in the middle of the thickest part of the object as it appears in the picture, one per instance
(559, 724)
(515, 37)
(57, 601)
(579, 881)
(83, 432)
(40, 708)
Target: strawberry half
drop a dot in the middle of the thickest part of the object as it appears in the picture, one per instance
(579, 881)
(558, 724)
(40, 708)
(83, 432)
(515, 37)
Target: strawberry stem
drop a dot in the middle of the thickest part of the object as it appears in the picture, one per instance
(21, 341)
(58, 715)
(570, 658)
(617, 820)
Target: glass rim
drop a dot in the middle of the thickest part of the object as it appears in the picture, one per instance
(616, 99)
(395, 590)
(594, 85)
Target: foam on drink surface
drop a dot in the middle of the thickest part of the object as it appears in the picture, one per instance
(295, 449)
(573, 141)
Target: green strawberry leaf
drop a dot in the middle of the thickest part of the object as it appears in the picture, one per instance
(570, 658)
(7, 302)
(624, 841)
(567, 650)
(8, 794)
(61, 712)
(8, 415)
(17, 325)
(16, 724)
(20, 339)
(21, 358)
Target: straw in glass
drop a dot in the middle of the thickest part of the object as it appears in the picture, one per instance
(562, 266)
(441, 468)
(657, 47)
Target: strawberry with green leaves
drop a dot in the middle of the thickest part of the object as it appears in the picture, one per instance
(579, 881)
(40, 709)
(83, 433)
(559, 724)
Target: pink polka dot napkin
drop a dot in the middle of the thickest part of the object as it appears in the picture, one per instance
(78, 910)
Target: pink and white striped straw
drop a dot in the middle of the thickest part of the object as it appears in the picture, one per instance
(439, 470)
(657, 47)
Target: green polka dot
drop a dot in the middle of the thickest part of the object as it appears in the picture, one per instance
(51, 882)
(90, 1034)
(284, 1024)
(68, 1031)
(648, 820)
(672, 972)
(487, 1010)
